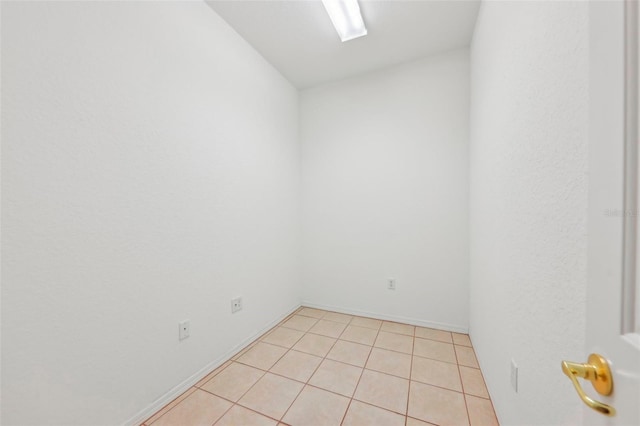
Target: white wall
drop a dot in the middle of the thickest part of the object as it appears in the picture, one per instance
(529, 102)
(150, 172)
(385, 192)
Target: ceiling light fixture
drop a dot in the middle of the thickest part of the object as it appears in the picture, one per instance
(346, 18)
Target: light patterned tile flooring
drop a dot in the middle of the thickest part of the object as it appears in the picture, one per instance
(320, 368)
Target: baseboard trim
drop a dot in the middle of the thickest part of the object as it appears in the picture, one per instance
(395, 318)
(182, 387)
(489, 386)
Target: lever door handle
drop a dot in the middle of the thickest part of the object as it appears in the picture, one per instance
(597, 371)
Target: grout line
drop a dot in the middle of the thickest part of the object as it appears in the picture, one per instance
(323, 312)
(333, 337)
(267, 371)
(172, 401)
(226, 411)
(315, 354)
(487, 388)
(241, 396)
(436, 359)
(287, 349)
(396, 412)
(474, 355)
(420, 420)
(413, 345)
(218, 370)
(466, 407)
(314, 372)
(483, 382)
(447, 389)
(360, 378)
(297, 329)
(380, 408)
(233, 404)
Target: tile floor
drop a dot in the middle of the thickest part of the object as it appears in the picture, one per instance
(319, 368)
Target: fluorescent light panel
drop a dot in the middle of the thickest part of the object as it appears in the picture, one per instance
(346, 18)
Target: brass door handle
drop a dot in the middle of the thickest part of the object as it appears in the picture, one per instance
(597, 371)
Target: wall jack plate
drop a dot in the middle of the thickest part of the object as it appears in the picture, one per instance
(184, 329)
(236, 305)
(391, 283)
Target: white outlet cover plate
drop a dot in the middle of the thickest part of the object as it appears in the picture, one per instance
(391, 283)
(184, 329)
(514, 376)
(236, 305)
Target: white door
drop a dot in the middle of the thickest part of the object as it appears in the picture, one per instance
(613, 297)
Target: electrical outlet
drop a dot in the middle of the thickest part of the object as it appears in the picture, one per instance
(391, 283)
(184, 329)
(514, 376)
(236, 305)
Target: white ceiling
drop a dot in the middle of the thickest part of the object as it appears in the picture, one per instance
(297, 36)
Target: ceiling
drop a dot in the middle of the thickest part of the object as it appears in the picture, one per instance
(297, 36)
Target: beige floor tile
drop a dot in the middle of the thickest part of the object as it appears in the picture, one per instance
(316, 407)
(282, 336)
(169, 406)
(396, 327)
(473, 382)
(435, 350)
(328, 328)
(361, 414)
(244, 350)
(466, 356)
(383, 390)
(461, 339)
(199, 408)
(211, 375)
(349, 352)
(437, 373)
(363, 335)
(336, 377)
(262, 355)
(287, 318)
(296, 365)
(234, 381)
(481, 412)
(366, 322)
(433, 334)
(272, 395)
(394, 342)
(315, 344)
(300, 323)
(390, 362)
(436, 405)
(337, 317)
(415, 422)
(241, 416)
(312, 312)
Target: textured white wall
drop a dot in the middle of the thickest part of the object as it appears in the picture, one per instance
(150, 172)
(528, 155)
(385, 192)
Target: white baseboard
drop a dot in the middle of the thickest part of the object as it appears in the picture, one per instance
(406, 320)
(182, 387)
